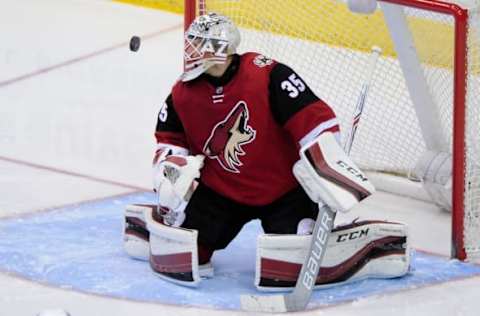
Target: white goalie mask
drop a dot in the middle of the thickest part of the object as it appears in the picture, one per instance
(208, 41)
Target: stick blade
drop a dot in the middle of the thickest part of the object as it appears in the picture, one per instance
(270, 303)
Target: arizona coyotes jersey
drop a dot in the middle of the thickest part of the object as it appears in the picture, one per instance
(249, 124)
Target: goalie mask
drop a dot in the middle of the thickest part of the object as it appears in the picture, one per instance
(208, 41)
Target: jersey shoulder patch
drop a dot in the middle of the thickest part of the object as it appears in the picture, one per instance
(262, 61)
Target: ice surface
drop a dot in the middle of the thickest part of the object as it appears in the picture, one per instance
(80, 247)
(93, 113)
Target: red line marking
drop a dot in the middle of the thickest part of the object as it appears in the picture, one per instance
(52, 208)
(84, 57)
(73, 174)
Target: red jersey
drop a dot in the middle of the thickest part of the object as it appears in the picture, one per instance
(248, 124)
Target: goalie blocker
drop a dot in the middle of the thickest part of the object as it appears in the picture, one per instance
(329, 176)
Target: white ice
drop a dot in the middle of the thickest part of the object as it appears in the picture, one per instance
(77, 113)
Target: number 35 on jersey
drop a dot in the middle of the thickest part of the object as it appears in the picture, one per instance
(293, 85)
(163, 114)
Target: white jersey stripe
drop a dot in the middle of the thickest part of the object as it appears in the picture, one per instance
(318, 130)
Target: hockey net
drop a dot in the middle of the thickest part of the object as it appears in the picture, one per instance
(329, 47)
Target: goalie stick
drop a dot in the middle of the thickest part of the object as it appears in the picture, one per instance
(375, 53)
(298, 299)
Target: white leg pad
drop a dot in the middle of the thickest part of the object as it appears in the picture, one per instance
(139, 221)
(370, 249)
(174, 253)
(135, 232)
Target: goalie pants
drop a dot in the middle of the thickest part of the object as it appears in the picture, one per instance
(219, 219)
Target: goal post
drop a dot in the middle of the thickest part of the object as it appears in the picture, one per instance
(425, 95)
(426, 110)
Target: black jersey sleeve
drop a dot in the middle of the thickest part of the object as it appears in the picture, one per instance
(167, 119)
(169, 129)
(288, 93)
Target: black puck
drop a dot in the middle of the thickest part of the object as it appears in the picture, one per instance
(134, 43)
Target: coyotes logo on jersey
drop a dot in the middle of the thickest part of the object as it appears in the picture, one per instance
(228, 136)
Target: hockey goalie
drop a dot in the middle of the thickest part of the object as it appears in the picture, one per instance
(243, 137)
